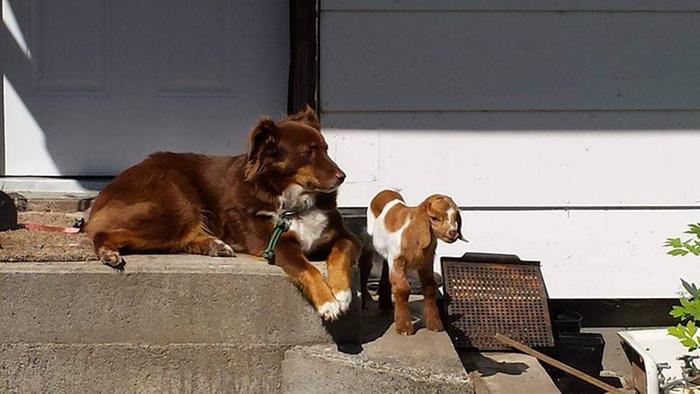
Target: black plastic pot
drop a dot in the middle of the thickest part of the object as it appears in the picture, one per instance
(567, 322)
(583, 351)
(8, 213)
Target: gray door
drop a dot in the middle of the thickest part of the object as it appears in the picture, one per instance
(93, 86)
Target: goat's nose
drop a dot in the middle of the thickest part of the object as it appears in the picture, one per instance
(453, 234)
(340, 175)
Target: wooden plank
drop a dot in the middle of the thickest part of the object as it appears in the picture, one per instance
(557, 364)
(303, 68)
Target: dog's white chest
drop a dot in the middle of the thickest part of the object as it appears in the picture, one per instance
(308, 228)
(385, 242)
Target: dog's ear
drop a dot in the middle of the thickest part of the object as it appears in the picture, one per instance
(308, 116)
(418, 231)
(262, 144)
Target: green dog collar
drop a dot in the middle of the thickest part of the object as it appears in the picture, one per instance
(284, 221)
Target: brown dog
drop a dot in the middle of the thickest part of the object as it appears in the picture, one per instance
(406, 237)
(213, 205)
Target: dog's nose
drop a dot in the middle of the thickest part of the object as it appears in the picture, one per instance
(341, 176)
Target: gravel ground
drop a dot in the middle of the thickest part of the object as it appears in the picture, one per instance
(25, 245)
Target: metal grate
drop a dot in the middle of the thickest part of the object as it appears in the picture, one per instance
(490, 293)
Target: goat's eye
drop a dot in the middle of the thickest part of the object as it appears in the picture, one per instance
(434, 218)
(306, 152)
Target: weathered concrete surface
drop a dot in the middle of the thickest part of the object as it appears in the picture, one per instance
(120, 368)
(158, 300)
(52, 201)
(506, 373)
(394, 365)
(614, 358)
(424, 362)
(168, 323)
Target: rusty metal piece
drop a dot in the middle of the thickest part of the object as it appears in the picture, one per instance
(494, 293)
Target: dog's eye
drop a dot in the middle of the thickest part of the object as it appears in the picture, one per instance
(307, 152)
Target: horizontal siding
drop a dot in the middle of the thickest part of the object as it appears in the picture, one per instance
(510, 5)
(481, 61)
(588, 254)
(568, 137)
(520, 159)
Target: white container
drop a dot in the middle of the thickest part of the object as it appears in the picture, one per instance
(655, 346)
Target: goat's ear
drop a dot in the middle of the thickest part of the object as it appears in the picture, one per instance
(418, 231)
(262, 144)
(308, 116)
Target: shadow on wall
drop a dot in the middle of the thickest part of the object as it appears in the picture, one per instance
(93, 87)
(489, 67)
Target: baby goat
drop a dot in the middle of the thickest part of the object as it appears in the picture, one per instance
(406, 237)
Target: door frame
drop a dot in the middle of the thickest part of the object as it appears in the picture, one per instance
(303, 60)
(2, 100)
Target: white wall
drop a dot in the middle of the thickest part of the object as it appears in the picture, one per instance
(569, 138)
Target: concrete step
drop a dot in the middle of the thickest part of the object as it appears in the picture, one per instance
(139, 368)
(181, 323)
(504, 373)
(389, 363)
(168, 323)
(51, 202)
(160, 299)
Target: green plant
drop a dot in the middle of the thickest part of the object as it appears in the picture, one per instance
(688, 312)
(681, 248)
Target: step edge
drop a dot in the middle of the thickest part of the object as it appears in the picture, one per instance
(417, 375)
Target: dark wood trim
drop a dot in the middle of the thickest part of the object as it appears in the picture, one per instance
(650, 312)
(303, 61)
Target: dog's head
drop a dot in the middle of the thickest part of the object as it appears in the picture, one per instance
(292, 152)
(445, 221)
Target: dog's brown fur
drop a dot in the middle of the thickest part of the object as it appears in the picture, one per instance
(213, 205)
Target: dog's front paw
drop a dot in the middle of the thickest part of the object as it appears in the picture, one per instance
(112, 258)
(344, 298)
(220, 249)
(330, 310)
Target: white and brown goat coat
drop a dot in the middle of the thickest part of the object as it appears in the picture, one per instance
(406, 237)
